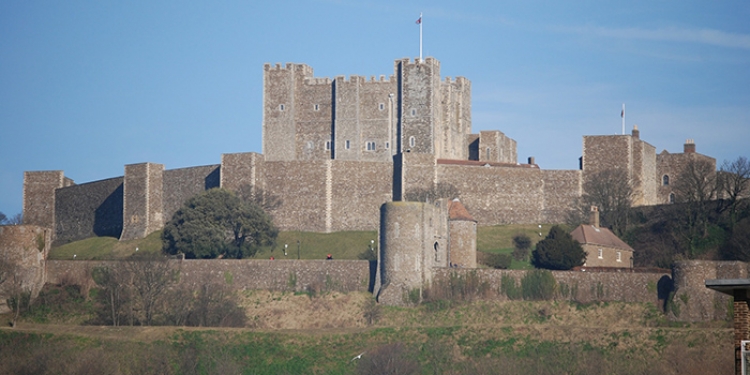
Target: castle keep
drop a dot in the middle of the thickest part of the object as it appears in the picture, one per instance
(335, 150)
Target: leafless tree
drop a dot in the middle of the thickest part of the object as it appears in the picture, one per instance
(734, 184)
(114, 282)
(12, 283)
(695, 187)
(612, 192)
(151, 277)
(16, 219)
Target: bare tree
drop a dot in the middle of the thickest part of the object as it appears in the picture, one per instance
(16, 219)
(612, 192)
(114, 282)
(734, 184)
(151, 277)
(696, 187)
(12, 283)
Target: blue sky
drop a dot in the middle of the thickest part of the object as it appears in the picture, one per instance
(87, 87)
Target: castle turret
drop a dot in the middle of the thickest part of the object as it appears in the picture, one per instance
(413, 240)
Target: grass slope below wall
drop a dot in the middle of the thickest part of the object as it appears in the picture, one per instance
(341, 245)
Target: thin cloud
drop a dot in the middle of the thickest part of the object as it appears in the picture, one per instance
(702, 36)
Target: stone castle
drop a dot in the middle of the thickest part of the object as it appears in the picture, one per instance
(335, 150)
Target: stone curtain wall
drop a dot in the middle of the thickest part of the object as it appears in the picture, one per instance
(357, 190)
(185, 183)
(245, 274)
(240, 169)
(588, 286)
(25, 247)
(561, 189)
(302, 187)
(497, 195)
(88, 210)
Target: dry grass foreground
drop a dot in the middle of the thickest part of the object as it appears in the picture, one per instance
(624, 338)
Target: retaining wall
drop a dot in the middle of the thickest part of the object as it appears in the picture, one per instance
(293, 275)
(584, 286)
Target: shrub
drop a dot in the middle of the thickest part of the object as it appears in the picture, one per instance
(521, 247)
(538, 285)
(497, 261)
(509, 287)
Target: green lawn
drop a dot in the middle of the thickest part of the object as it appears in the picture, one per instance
(341, 245)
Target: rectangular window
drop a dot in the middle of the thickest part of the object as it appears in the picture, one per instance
(601, 254)
(317, 107)
(281, 107)
(381, 106)
(619, 256)
(347, 144)
(387, 145)
(328, 145)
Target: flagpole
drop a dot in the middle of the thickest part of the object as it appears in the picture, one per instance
(623, 118)
(420, 37)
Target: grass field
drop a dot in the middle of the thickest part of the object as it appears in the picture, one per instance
(341, 245)
(483, 337)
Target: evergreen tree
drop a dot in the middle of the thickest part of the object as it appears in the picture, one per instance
(558, 251)
(218, 223)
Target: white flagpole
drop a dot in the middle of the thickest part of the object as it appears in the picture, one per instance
(420, 37)
(623, 118)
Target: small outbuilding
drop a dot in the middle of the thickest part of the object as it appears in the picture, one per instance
(603, 248)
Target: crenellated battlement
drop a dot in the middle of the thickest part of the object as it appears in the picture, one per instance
(306, 69)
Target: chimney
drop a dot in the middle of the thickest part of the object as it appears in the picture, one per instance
(636, 133)
(531, 160)
(689, 146)
(594, 217)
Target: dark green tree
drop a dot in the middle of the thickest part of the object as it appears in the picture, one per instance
(558, 251)
(521, 247)
(216, 224)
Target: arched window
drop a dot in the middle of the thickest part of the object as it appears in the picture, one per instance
(412, 141)
(665, 180)
(671, 197)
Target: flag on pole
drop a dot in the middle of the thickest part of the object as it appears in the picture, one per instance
(419, 20)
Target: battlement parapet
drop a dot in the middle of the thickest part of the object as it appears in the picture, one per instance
(318, 81)
(306, 69)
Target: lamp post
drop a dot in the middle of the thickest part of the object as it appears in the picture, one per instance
(285, 247)
(372, 246)
(298, 249)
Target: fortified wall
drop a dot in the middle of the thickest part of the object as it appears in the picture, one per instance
(24, 249)
(402, 268)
